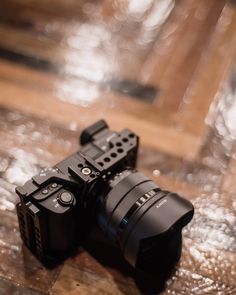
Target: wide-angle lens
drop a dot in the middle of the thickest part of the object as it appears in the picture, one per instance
(143, 220)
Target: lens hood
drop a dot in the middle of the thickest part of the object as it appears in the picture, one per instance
(154, 233)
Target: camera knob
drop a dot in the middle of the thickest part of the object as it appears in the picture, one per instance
(65, 198)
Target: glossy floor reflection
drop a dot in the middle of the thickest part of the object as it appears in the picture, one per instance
(165, 69)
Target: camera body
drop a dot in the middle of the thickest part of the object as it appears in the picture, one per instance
(53, 201)
(100, 181)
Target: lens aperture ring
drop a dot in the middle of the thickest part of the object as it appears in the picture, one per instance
(136, 206)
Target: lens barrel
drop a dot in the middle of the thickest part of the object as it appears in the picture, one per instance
(143, 220)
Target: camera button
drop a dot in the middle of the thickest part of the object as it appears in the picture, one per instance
(65, 198)
(54, 185)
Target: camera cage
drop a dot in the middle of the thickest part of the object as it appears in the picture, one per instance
(98, 167)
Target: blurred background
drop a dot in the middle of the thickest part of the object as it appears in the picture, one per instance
(165, 69)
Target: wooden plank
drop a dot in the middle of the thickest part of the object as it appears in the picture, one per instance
(74, 281)
(191, 24)
(7, 287)
(23, 42)
(63, 42)
(211, 75)
(158, 136)
(194, 174)
(20, 74)
(70, 9)
(40, 143)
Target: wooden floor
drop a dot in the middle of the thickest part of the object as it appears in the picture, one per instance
(165, 69)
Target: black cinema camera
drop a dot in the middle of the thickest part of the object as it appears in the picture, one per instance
(100, 182)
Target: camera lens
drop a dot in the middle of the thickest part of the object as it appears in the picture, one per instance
(143, 220)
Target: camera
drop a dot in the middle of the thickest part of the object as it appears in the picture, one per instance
(100, 184)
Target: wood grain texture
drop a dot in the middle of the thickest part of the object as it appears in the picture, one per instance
(65, 64)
